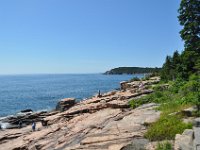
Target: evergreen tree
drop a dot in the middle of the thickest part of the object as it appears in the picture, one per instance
(188, 62)
(167, 69)
(197, 66)
(176, 60)
(189, 18)
(176, 57)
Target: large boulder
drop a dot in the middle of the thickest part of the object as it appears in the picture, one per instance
(184, 141)
(196, 138)
(65, 104)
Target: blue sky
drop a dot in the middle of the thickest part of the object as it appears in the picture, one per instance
(86, 36)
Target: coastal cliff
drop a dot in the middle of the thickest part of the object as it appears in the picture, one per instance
(102, 122)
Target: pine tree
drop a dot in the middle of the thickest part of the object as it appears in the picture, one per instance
(197, 66)
(189, 59)
(176, 64)
(188, 62)
(167, 69)
(189, 18)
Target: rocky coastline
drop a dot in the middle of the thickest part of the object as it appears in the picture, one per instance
(102, 122)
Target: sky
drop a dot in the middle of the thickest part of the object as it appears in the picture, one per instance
(86, 36)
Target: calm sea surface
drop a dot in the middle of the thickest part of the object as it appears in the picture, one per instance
(42, 92)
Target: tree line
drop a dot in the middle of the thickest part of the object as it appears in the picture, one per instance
(183, 65)
(133, 70)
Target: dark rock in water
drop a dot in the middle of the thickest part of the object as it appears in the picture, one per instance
(26, 110)
(25, 119)
(65, 104)
(137, 144)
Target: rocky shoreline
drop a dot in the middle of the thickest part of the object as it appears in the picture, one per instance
(102, 122)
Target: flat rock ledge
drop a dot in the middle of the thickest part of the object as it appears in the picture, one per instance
(105, 123)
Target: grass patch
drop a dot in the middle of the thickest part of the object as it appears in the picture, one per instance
(172, 107)
(164, 146)
(166, 128)
(169, 124)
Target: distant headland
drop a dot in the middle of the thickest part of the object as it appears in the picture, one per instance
(132, 70)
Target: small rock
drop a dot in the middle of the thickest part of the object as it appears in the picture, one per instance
(197, 122)
(188, 120)
(188, 112)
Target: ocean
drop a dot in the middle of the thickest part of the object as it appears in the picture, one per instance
(42, 92)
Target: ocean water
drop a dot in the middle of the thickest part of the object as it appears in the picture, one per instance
(42, 92)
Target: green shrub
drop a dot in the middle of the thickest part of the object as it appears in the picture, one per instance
(135, 79)
(176, 85)
(191, 92)
(196, 114)
(196, 101)
(164, 146)
(138, 102)
(166, 128)
(190, 87)
(194, 77)
(160, 87)
(178, 96)
(172, 107)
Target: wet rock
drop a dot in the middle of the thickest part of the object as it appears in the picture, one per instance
(26, 110)
(26, 119)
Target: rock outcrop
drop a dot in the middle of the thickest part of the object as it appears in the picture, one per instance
(105, 129)
(105, 123)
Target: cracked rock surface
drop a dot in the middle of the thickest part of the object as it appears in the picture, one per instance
(104, 123)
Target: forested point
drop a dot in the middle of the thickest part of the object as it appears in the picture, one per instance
(132, 70)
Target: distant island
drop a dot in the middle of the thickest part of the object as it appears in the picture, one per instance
(132, 70)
